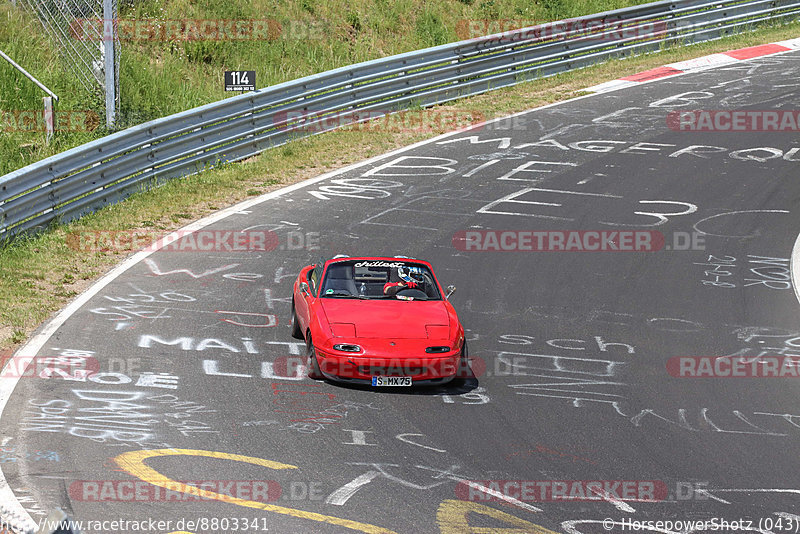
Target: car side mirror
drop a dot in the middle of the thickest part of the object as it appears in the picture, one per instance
(304, 288)
(450, 290)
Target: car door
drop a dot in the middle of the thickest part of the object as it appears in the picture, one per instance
(305, 294)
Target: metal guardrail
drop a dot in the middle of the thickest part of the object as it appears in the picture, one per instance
(89, 177)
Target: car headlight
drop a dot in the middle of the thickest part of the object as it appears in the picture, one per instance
(347, 347)
(437, 350)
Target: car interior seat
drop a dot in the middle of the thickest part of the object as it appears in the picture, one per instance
(340, 279)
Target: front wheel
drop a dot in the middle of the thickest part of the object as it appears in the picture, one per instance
(313, 364)
(296, 332)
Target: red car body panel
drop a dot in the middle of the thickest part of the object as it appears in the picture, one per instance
(384, 318)
(393, 334)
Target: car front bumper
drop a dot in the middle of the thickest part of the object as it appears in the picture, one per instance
(360, 368)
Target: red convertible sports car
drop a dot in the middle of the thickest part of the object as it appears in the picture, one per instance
(378, 320)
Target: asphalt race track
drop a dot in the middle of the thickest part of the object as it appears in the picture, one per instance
(569, 350)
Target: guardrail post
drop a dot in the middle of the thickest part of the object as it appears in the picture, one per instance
(109, 37)
(48, 119)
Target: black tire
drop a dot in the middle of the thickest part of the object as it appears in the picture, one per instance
(313, 364)
(464, 371)
(296, 332)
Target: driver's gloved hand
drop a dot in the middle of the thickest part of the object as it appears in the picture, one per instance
(391, 288)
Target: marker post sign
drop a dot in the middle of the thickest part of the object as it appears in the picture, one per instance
(240, 80)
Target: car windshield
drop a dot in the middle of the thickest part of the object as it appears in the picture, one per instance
(379, 279)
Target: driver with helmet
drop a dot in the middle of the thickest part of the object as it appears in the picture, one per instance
(410, 278)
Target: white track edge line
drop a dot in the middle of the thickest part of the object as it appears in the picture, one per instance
(794, 263)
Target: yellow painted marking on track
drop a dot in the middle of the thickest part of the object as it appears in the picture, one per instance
(133, 463)
(452, 517)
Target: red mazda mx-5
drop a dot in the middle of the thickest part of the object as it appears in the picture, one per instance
(378, 320)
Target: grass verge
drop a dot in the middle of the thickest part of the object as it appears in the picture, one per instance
(39, 275)
(161, 74)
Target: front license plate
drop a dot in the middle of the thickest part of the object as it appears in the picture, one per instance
(391, 380)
